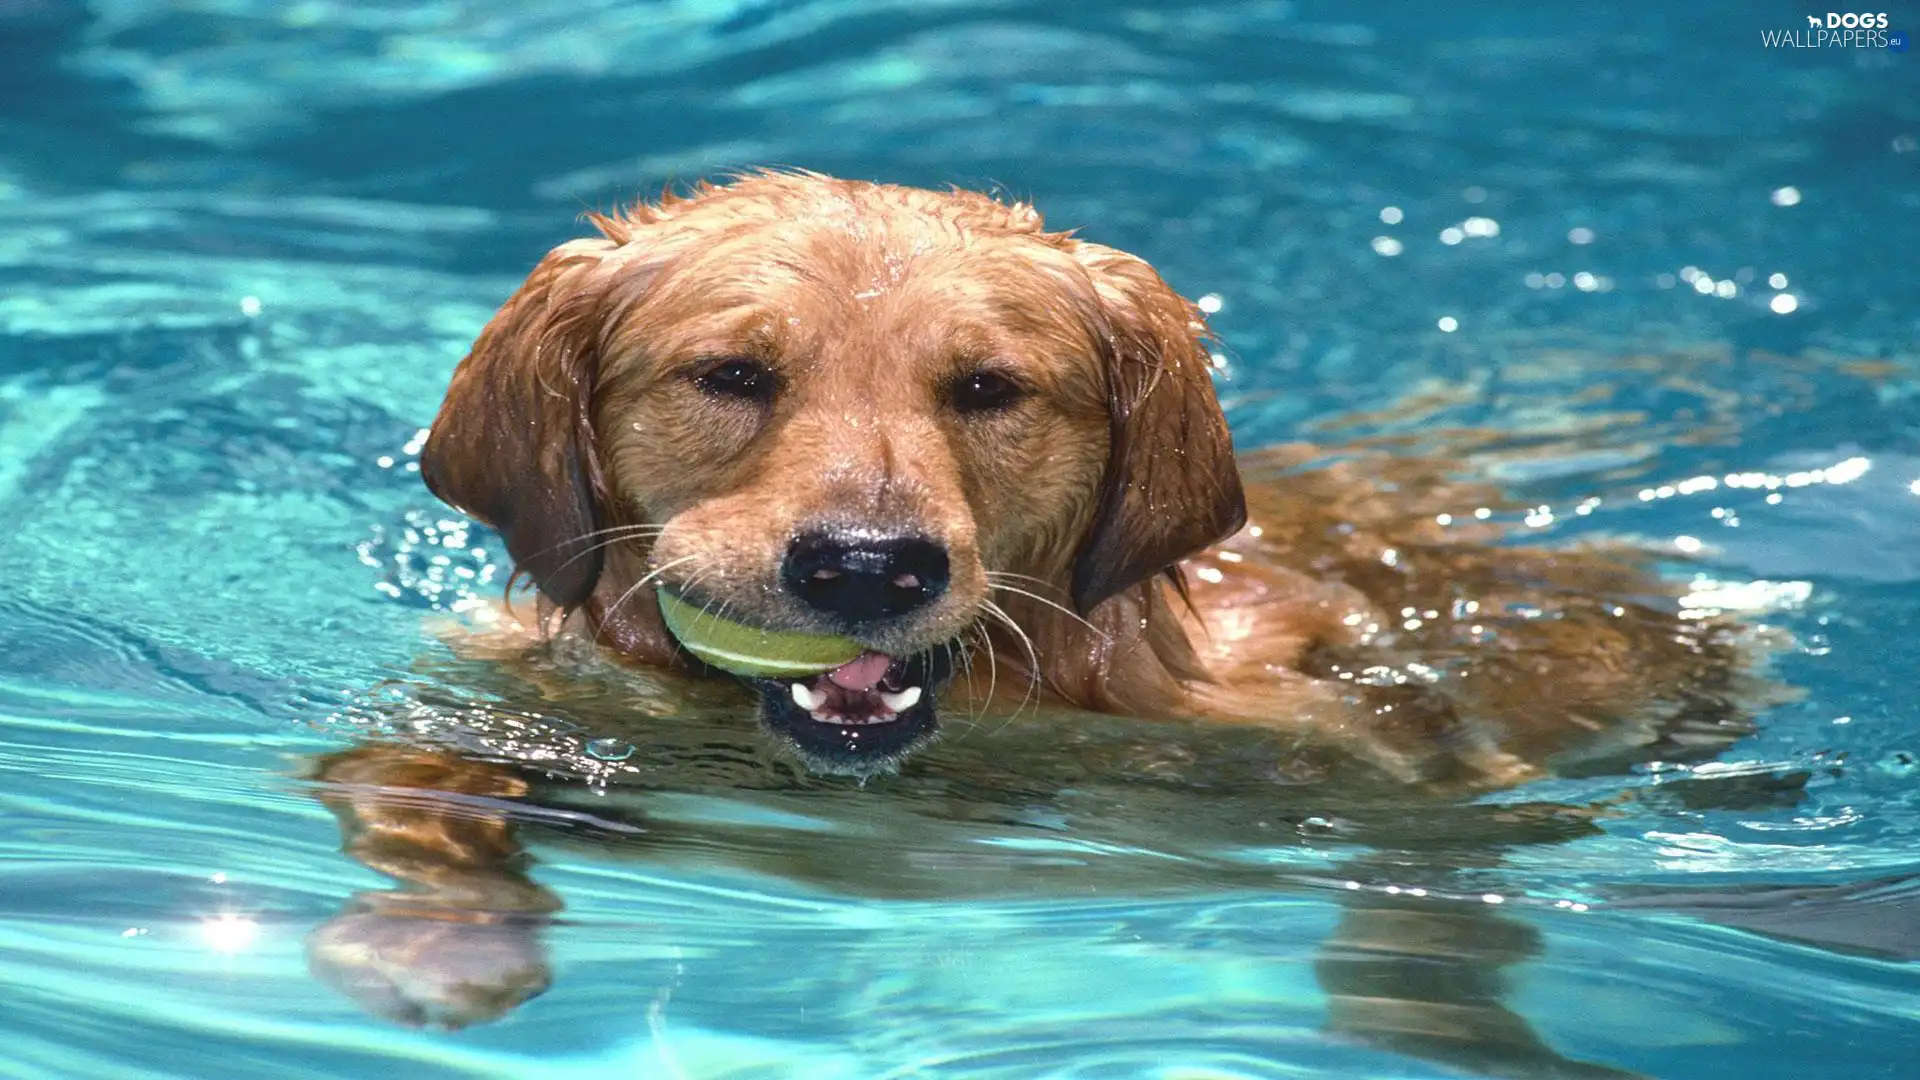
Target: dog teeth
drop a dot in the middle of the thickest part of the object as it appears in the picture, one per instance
(902, 701)
(814, 701)
(810, 700)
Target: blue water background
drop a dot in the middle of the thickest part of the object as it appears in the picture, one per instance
(242, 245)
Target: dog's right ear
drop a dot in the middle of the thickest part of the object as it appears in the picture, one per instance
(1172, 486)
(513, 445)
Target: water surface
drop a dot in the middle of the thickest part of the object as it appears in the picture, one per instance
(244, 244)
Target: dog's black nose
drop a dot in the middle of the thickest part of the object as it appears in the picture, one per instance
(864, 578)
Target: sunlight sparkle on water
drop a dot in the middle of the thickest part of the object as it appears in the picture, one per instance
(1708, 597)
(1841, 472)
(229, 933)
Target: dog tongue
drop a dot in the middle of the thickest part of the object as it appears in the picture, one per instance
(861, 673)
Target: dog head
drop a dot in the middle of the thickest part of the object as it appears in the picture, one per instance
(839, 408)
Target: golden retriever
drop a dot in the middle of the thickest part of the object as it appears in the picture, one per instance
(922, 420)
(992, 454)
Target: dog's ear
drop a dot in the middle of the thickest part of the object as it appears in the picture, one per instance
(513, 444)
(1171, 486)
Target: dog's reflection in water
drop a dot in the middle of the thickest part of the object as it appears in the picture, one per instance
(451, 812)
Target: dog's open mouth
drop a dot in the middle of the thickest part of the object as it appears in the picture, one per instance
(861, 716)
(858, 715)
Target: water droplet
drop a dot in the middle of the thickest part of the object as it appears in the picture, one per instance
(610, 749)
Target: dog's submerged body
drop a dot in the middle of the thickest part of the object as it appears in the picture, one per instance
(992, 455)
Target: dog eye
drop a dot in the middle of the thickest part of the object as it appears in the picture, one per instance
(982, 391)
(747, 380)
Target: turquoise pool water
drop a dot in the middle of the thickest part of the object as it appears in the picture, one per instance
(243, 245)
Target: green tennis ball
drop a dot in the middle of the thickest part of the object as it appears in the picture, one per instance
(750, 650)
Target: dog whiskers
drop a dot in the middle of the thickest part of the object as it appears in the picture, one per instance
(1000, 615)
(978, 704)
(1011, 576)
(610, 533)
(706, 607)
(1037, 598)
(604, 538)
(976, 641)
(964, 661)
(650, 575)
(984, 641)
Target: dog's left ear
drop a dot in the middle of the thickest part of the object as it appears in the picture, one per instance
(1171, 486)
(513, 444)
